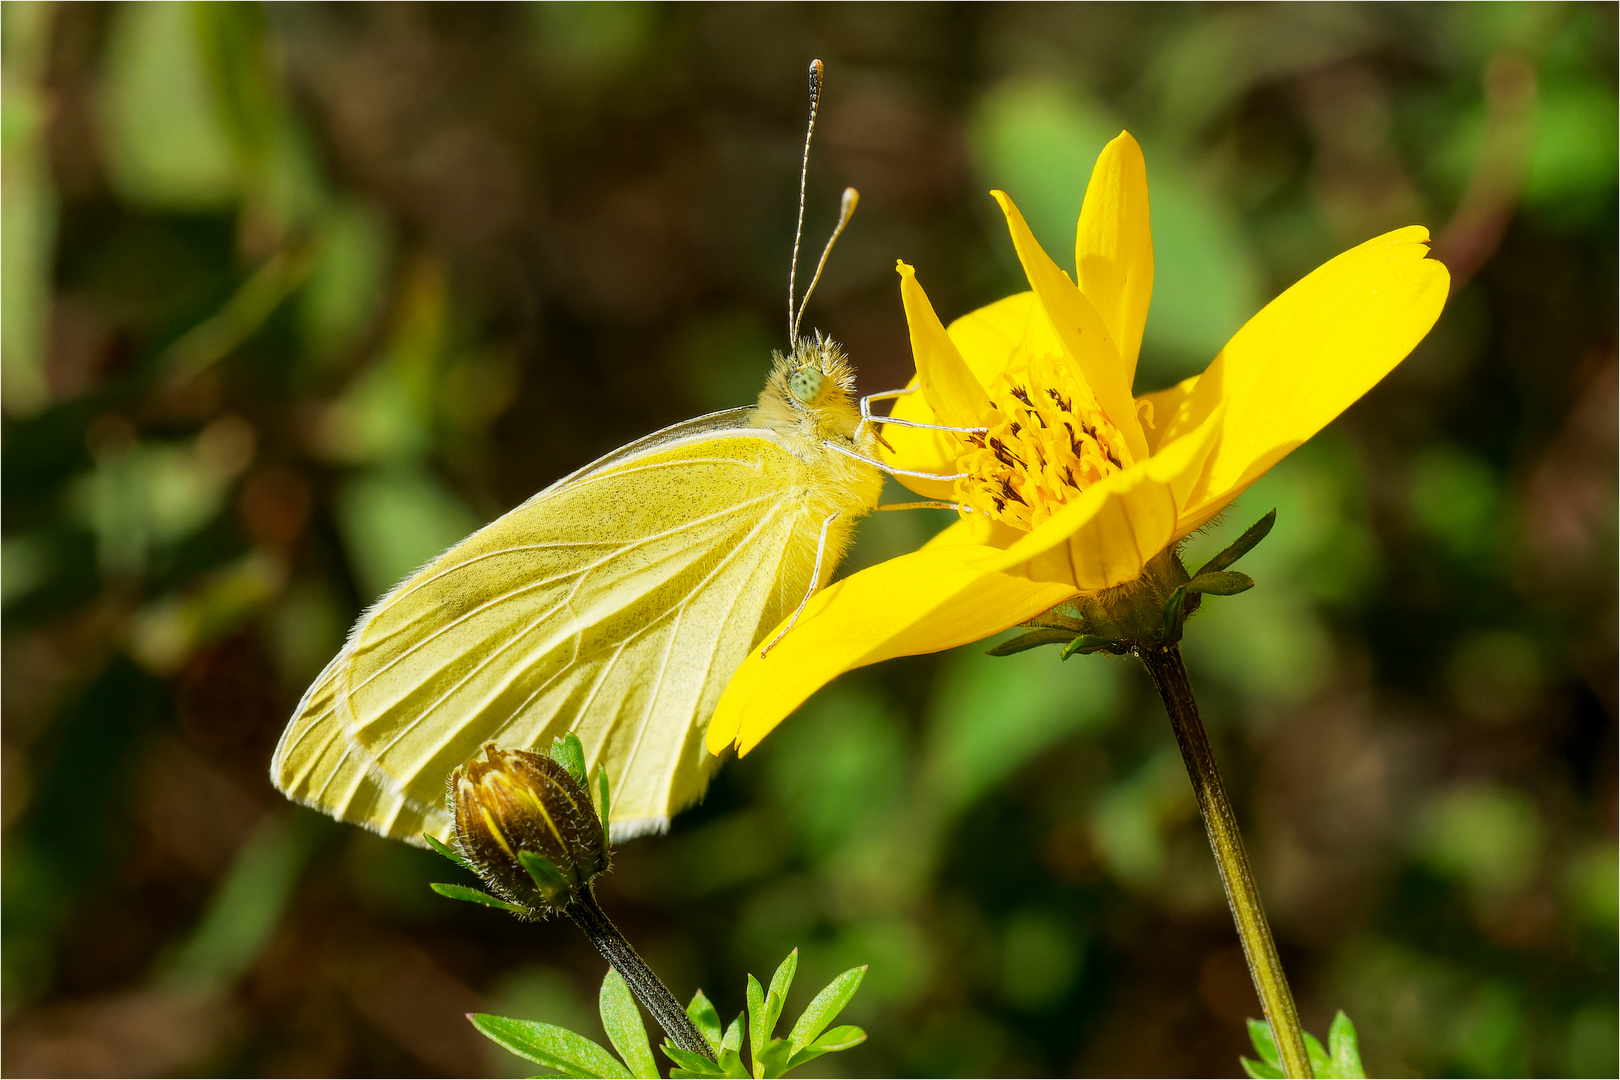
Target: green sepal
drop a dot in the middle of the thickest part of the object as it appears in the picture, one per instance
(567, 752)
(1241, 546)
(1220, 583)
(1043, 635)
(449, 852)
(545, 875)
(705, 1019)
(476, 896)
(1086, 644)
(1345, 1049)
(1175, 613)
(604, 805)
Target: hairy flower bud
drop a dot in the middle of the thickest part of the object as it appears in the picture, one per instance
(527, 827)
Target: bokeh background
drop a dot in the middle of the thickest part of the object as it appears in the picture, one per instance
(296, 295)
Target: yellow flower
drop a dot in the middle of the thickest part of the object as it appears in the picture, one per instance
(1067, 483)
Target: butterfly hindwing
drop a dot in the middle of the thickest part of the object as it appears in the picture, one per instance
(616, 603)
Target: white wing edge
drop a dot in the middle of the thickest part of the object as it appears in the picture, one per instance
(738, 421)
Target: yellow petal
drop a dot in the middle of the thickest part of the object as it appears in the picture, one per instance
(1078, 326)
(1162, 408)
(1113, 247)
(928, 600)
(1107, 535)
(956, 397)
(1309, 354)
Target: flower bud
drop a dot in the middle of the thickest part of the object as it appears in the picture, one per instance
(527, 827)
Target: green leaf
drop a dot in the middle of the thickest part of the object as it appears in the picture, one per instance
(1045, 635)
(1259, 1070)
(1345, 1049)
(777, 996)
(1086, 644)
(776, 1058)
(839, 1038)
(603, 805)
(449, 852)
(731, 1046)
(1220, 583)
(1241, 546)
(706, 1019)
(567, 752)
(758, 1033)
(826, 1006)
(474, 896)
(625, 1030)
(545, 875)
(551, 1046)
(1264, 1044)
(1321, 1064)
(690, 1066)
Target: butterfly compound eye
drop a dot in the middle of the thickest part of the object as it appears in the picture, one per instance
(808, 384)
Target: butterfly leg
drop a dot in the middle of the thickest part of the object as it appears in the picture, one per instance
(931, 504)
(887, 395)
(815, 582)
(891, 469)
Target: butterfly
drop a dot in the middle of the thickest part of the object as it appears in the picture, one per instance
(616, 604)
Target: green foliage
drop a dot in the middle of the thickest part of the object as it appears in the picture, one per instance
(570, 1054)
(1340, 1060)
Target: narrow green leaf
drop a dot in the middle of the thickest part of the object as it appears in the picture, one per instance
(839, 1038)
(603, 805)
(777, 996)
(1086, 644)
(625, 1030)
(758, 1036)
(551, 1046)
(1345, 1049)
(449, 852)
(825, 1008)
(567, 752)
(706, 1019)
(777, 1057)
(1241, 546)
(475, 896)
(689, 1066)
(1259, 1070)
(1321, 1064)
(1044, 635)
(1220, 583)
(731, 1063)
(1264, 1044)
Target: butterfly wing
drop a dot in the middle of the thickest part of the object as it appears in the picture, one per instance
(616, 603)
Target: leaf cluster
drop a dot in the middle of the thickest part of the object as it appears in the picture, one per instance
(1340, 1060)
(566, 1053)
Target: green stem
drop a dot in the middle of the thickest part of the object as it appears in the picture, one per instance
(1170, 676)
(644, 983)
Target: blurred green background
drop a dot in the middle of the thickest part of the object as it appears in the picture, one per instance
(296, 295)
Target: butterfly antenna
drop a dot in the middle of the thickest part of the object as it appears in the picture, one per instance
(817, 71)
(846, 209)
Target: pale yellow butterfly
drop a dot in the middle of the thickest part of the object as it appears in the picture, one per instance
(616, 604)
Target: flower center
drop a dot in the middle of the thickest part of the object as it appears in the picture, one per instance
(1047, 441)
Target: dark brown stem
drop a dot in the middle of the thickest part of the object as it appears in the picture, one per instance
(1170, 676)
(648, 988)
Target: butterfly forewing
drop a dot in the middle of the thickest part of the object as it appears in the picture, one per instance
(616, 603)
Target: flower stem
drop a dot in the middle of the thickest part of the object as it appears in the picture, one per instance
(647, 986)
(1170, 676)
